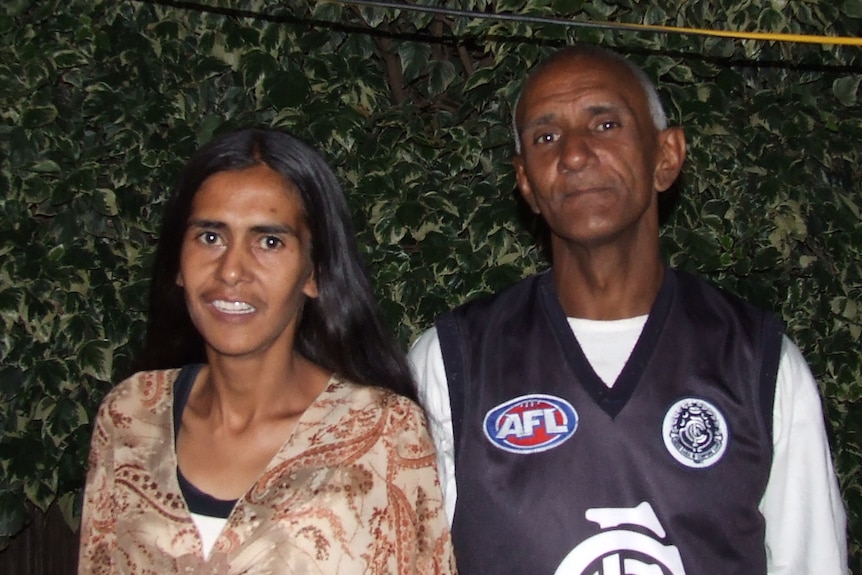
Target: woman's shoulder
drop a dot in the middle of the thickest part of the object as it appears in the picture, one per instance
(375, 397)
(144, 388)
(401, 416)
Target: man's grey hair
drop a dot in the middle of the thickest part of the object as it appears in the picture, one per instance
(656, 110)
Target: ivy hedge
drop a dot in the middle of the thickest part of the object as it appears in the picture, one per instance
(101, 102)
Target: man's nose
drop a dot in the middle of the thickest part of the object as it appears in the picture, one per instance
(576, 153)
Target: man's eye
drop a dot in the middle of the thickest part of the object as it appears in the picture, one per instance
(546, 138)
(608, 125)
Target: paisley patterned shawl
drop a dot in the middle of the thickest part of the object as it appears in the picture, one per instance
(353, 490)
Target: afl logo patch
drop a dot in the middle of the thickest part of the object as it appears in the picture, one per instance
(695, 432)
(530, 423)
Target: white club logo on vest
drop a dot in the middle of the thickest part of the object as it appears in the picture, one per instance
(530, 423)
(629, 543)
(695, 432)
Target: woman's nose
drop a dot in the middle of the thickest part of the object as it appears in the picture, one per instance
(233, 265)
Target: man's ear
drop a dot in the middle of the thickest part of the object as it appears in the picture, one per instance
(670, 158)
(524, 183)
(179, 280)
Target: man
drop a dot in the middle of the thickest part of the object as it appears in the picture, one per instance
(613, 415)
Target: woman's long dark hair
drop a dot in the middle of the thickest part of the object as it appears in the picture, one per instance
(341, 329)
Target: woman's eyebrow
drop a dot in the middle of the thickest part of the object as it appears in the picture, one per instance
(204, 223)
(274, 229)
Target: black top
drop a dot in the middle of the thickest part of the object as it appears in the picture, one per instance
(665, 469)
(199, 502)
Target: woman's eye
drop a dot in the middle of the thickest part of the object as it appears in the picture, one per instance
(209, 238)
(271, 243)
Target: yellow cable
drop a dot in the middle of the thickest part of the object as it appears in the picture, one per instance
(759, 36)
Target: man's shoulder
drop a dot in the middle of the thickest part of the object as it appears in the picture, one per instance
(517, 291)
(699, 293)
(694, 283)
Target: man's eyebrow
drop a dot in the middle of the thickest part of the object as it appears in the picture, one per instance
(592, 110)
(599, 109)
(540, 121)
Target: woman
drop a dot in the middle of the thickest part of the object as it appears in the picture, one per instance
(273, 429)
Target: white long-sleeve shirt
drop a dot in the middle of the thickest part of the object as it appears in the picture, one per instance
(802, 506)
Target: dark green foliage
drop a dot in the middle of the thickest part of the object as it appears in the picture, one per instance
(102, 102)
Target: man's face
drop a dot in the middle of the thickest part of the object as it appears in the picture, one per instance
(592, 160)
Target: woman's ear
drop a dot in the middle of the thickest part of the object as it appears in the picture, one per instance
(670, 158)
(310, 287)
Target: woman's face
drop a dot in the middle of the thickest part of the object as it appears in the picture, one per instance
(245, 262)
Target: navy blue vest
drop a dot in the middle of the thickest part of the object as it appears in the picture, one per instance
(662, 473)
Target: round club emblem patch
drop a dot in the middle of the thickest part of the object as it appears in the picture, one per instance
(695, 432)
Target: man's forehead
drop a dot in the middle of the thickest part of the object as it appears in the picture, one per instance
(587, 67)
(587, 71)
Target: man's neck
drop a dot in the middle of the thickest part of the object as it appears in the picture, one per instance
(607, 285)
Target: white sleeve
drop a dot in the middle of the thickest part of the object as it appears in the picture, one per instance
(426, 359)
(802, 507)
